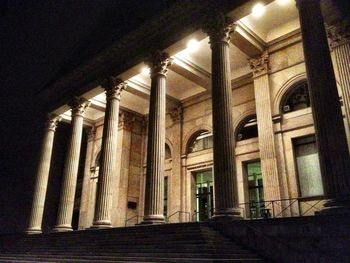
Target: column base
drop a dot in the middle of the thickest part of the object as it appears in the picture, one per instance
(62, 228)
(153, 220)
(335, 207)
(33, 231)
(227, 214)
(100, 224)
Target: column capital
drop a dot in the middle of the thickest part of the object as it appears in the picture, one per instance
(339, 35)
(79, 106)
(52, 121)
(159, 62)
(260, 65)
(218, 27)
(113, 87)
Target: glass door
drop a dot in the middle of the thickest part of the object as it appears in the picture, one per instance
(204, 195)
(255, 189)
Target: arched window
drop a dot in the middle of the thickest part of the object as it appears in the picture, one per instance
(296, 98)
(201, 141)
(167, 152)
(248, 129)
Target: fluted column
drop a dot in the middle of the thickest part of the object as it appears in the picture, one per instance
(36, 216)
(102, 217)
(328, 120)
(268, 156)
(154, 192)
(70, 172)
(340, 44)
(219, 28)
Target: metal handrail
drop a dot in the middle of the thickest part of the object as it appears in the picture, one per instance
(179, 212)
(136, 216)
(272, 203)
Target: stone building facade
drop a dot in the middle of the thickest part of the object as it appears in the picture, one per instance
(143, 161)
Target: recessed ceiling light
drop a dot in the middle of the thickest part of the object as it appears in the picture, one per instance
(145, 71)
(282, 2)
(192, 45)
(258, 10)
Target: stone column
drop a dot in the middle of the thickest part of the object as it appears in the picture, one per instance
(154, 192)
(268, 156)
(85, 192)
(70, 172)
(103, 212)
(339, 37)
(219, 28)
(36, 216)
(328, 119)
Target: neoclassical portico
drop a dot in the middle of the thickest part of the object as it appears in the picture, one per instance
(239, 74)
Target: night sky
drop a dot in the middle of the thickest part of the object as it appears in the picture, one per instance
(40, 42)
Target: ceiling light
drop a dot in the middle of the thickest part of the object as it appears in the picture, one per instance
(145, 71)
(192, 45)
(282, 2)
(258, 10)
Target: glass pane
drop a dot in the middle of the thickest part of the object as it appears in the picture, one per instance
(308, 168)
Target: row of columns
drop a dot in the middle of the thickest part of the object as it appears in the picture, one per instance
(330, 132)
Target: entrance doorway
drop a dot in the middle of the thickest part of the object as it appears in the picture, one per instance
(255, 189)
(204, 195)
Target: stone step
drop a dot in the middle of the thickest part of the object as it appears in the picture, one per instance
(132, 259)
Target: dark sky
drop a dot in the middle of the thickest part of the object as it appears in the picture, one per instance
(41, 40)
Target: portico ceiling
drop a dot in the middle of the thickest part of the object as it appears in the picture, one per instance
(191, 71)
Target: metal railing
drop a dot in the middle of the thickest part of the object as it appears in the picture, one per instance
(133, 217)
(179, 213)
(290, 207)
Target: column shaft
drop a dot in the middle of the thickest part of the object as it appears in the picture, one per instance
(340, 43)
(36, 216)
(328, 119)
(102, 217)
(70, 172)
(218, 29)
(154, 195)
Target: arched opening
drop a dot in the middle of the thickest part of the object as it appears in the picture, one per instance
(167, 152)
(201, 140)
(296, 98)
(247, 129)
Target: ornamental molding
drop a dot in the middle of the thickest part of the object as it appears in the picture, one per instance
(159, 62)
(79, 106)
(339, 35)
(126, 120)
(218, 27)
(91, 132)
(52, 121)
(260, 65)
(176, 114)
(113, 87)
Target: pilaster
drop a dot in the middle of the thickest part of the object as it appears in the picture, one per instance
(268, 155)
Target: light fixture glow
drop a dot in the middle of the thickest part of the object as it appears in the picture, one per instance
(258, 10)
(145, 71)
(192, 45)
(282, 2)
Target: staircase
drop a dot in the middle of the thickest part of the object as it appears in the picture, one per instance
(184, 242)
